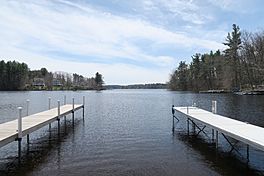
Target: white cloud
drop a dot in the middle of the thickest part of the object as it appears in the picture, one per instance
(238, 6)
(186, 10)
(32, 29)
(113, 73)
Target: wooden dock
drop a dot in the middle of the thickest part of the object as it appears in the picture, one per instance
(249, 134)
(15, 130)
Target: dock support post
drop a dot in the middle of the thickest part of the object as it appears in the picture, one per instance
(49, 109)
(247, 153)
(65, 104)
(83, 105)
(214, 107)
(58, 118)
(212, 134)
(216, 140)
(173, 112)
(188, 120)
(193, 127)
(19, 135)
(188, 126)
(28, 115)
(214, 110)
(72, 110)
(27, 138)
(19, 140)
(193, 124)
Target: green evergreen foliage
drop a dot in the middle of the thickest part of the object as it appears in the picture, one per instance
(203, 73)
(233, 42)
(99, 81)
(239, 67)
(17, 76)
(13, 75)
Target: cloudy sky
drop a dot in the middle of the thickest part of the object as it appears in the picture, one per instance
(128, 41)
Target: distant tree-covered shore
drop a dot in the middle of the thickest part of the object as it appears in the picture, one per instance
(17, 76)
(239, 67)
(138, 86)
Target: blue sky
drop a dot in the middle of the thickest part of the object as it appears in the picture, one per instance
(139, 41)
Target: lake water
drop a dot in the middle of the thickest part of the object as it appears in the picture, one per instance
(129, 132)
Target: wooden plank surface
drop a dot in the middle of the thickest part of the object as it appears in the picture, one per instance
(249, 134)
(31, 123)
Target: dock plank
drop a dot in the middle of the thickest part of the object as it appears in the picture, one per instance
(31, 123)
(247, 133)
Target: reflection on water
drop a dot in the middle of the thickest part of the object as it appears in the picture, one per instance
(128, 132)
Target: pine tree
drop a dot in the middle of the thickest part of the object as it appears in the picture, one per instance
(99, 81)
(233, 42)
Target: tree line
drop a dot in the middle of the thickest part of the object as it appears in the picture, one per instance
(13, 75)
(239, 67)
(138, 86)
(17, 76)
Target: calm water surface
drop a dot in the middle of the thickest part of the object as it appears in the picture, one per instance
(128, 132)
